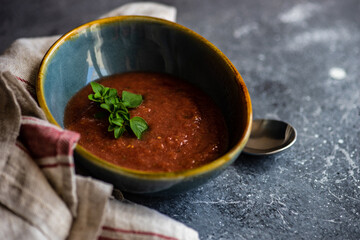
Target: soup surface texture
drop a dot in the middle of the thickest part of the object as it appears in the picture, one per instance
(186, 128)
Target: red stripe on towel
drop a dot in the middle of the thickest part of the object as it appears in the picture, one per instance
(46, 140)
(53, 165)
(134, 232)
(26, 82)
(32, 89)
(107, 238)
(19, 145)
(45, 165)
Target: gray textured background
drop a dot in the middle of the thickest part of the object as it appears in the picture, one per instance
(284, 50)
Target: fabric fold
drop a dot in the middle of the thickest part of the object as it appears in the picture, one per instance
(92, 208)
(27, 194)
(141, 223)
(52, 149)
(9, 125)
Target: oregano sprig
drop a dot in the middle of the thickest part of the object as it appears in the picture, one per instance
(119, 116)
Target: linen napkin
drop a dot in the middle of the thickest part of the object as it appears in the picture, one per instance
(41, 197)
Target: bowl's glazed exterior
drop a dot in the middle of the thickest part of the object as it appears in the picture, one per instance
(132, 43)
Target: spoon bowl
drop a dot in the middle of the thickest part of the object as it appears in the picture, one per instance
(269, 137)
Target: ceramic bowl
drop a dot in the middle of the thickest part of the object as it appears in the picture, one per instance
(134, 43)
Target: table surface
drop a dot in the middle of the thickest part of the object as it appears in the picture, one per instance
(300, 61)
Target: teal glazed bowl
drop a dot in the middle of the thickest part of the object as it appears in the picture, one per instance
(135, 43)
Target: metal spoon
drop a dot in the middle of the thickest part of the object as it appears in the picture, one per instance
(269, 137)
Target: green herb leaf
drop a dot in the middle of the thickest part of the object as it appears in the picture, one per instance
(120, 106)
(119, 117)
(111, 128)
(92, 98)
(131, 100)
(106, 106)
(125, 115)
(112, 93)
(118, 131)
(96, 87)
(118, 121)
(105, 91)
(138, 126)
(97, 95)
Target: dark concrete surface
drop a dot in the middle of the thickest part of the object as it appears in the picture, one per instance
(301, 63)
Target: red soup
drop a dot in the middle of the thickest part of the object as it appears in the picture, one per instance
(186, 128)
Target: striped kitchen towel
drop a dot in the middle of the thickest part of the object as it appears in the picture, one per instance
(41, 196)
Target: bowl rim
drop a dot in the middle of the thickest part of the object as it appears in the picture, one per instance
(213, 165)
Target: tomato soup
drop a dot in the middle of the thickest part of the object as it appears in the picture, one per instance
(186, 128)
